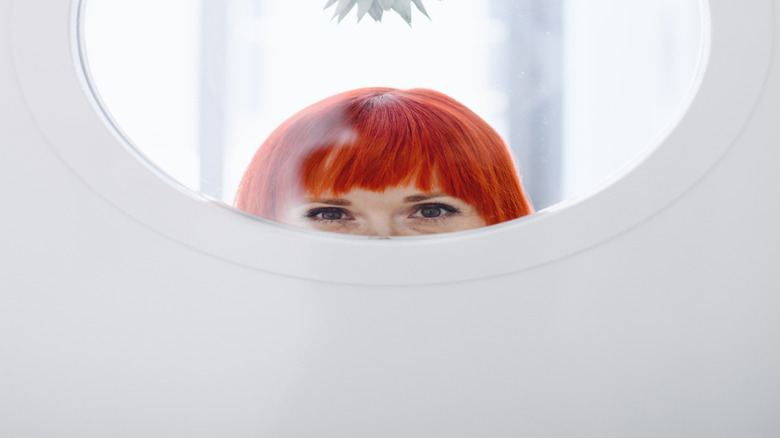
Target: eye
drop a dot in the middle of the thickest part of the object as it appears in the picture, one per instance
(431, 211)
(328, 214)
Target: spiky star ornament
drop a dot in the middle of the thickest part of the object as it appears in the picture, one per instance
(375, 8)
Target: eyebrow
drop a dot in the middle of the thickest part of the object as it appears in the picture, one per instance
(339, 202)
(418, 198)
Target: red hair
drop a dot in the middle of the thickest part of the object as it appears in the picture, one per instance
(375, 138)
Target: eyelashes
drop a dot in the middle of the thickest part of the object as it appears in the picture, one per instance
(434, 211)
(328, 214)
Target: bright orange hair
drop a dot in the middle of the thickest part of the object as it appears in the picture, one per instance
(375, 138)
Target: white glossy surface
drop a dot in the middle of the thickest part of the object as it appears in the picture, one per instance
(108, 327)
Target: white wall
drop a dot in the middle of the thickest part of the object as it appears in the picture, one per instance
(108, 328)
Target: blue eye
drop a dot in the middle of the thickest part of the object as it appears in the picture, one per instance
(432, 211)
(332, 215)
(327, 214)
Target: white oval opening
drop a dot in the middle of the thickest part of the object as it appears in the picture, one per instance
(576, 89)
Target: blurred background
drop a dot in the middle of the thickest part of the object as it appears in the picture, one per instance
(577, 88)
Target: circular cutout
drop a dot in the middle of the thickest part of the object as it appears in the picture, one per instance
(205, 83)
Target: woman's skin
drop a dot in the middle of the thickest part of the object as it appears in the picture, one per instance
(397, 211)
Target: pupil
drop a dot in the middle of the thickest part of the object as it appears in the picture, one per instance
(331, 215)
(431, 212)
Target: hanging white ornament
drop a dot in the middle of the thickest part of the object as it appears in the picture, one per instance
(375, 8)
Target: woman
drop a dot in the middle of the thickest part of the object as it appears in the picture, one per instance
(384, 162)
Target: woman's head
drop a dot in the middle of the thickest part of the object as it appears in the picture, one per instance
(377, 141)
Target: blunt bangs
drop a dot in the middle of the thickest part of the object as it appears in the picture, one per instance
(379, 138)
